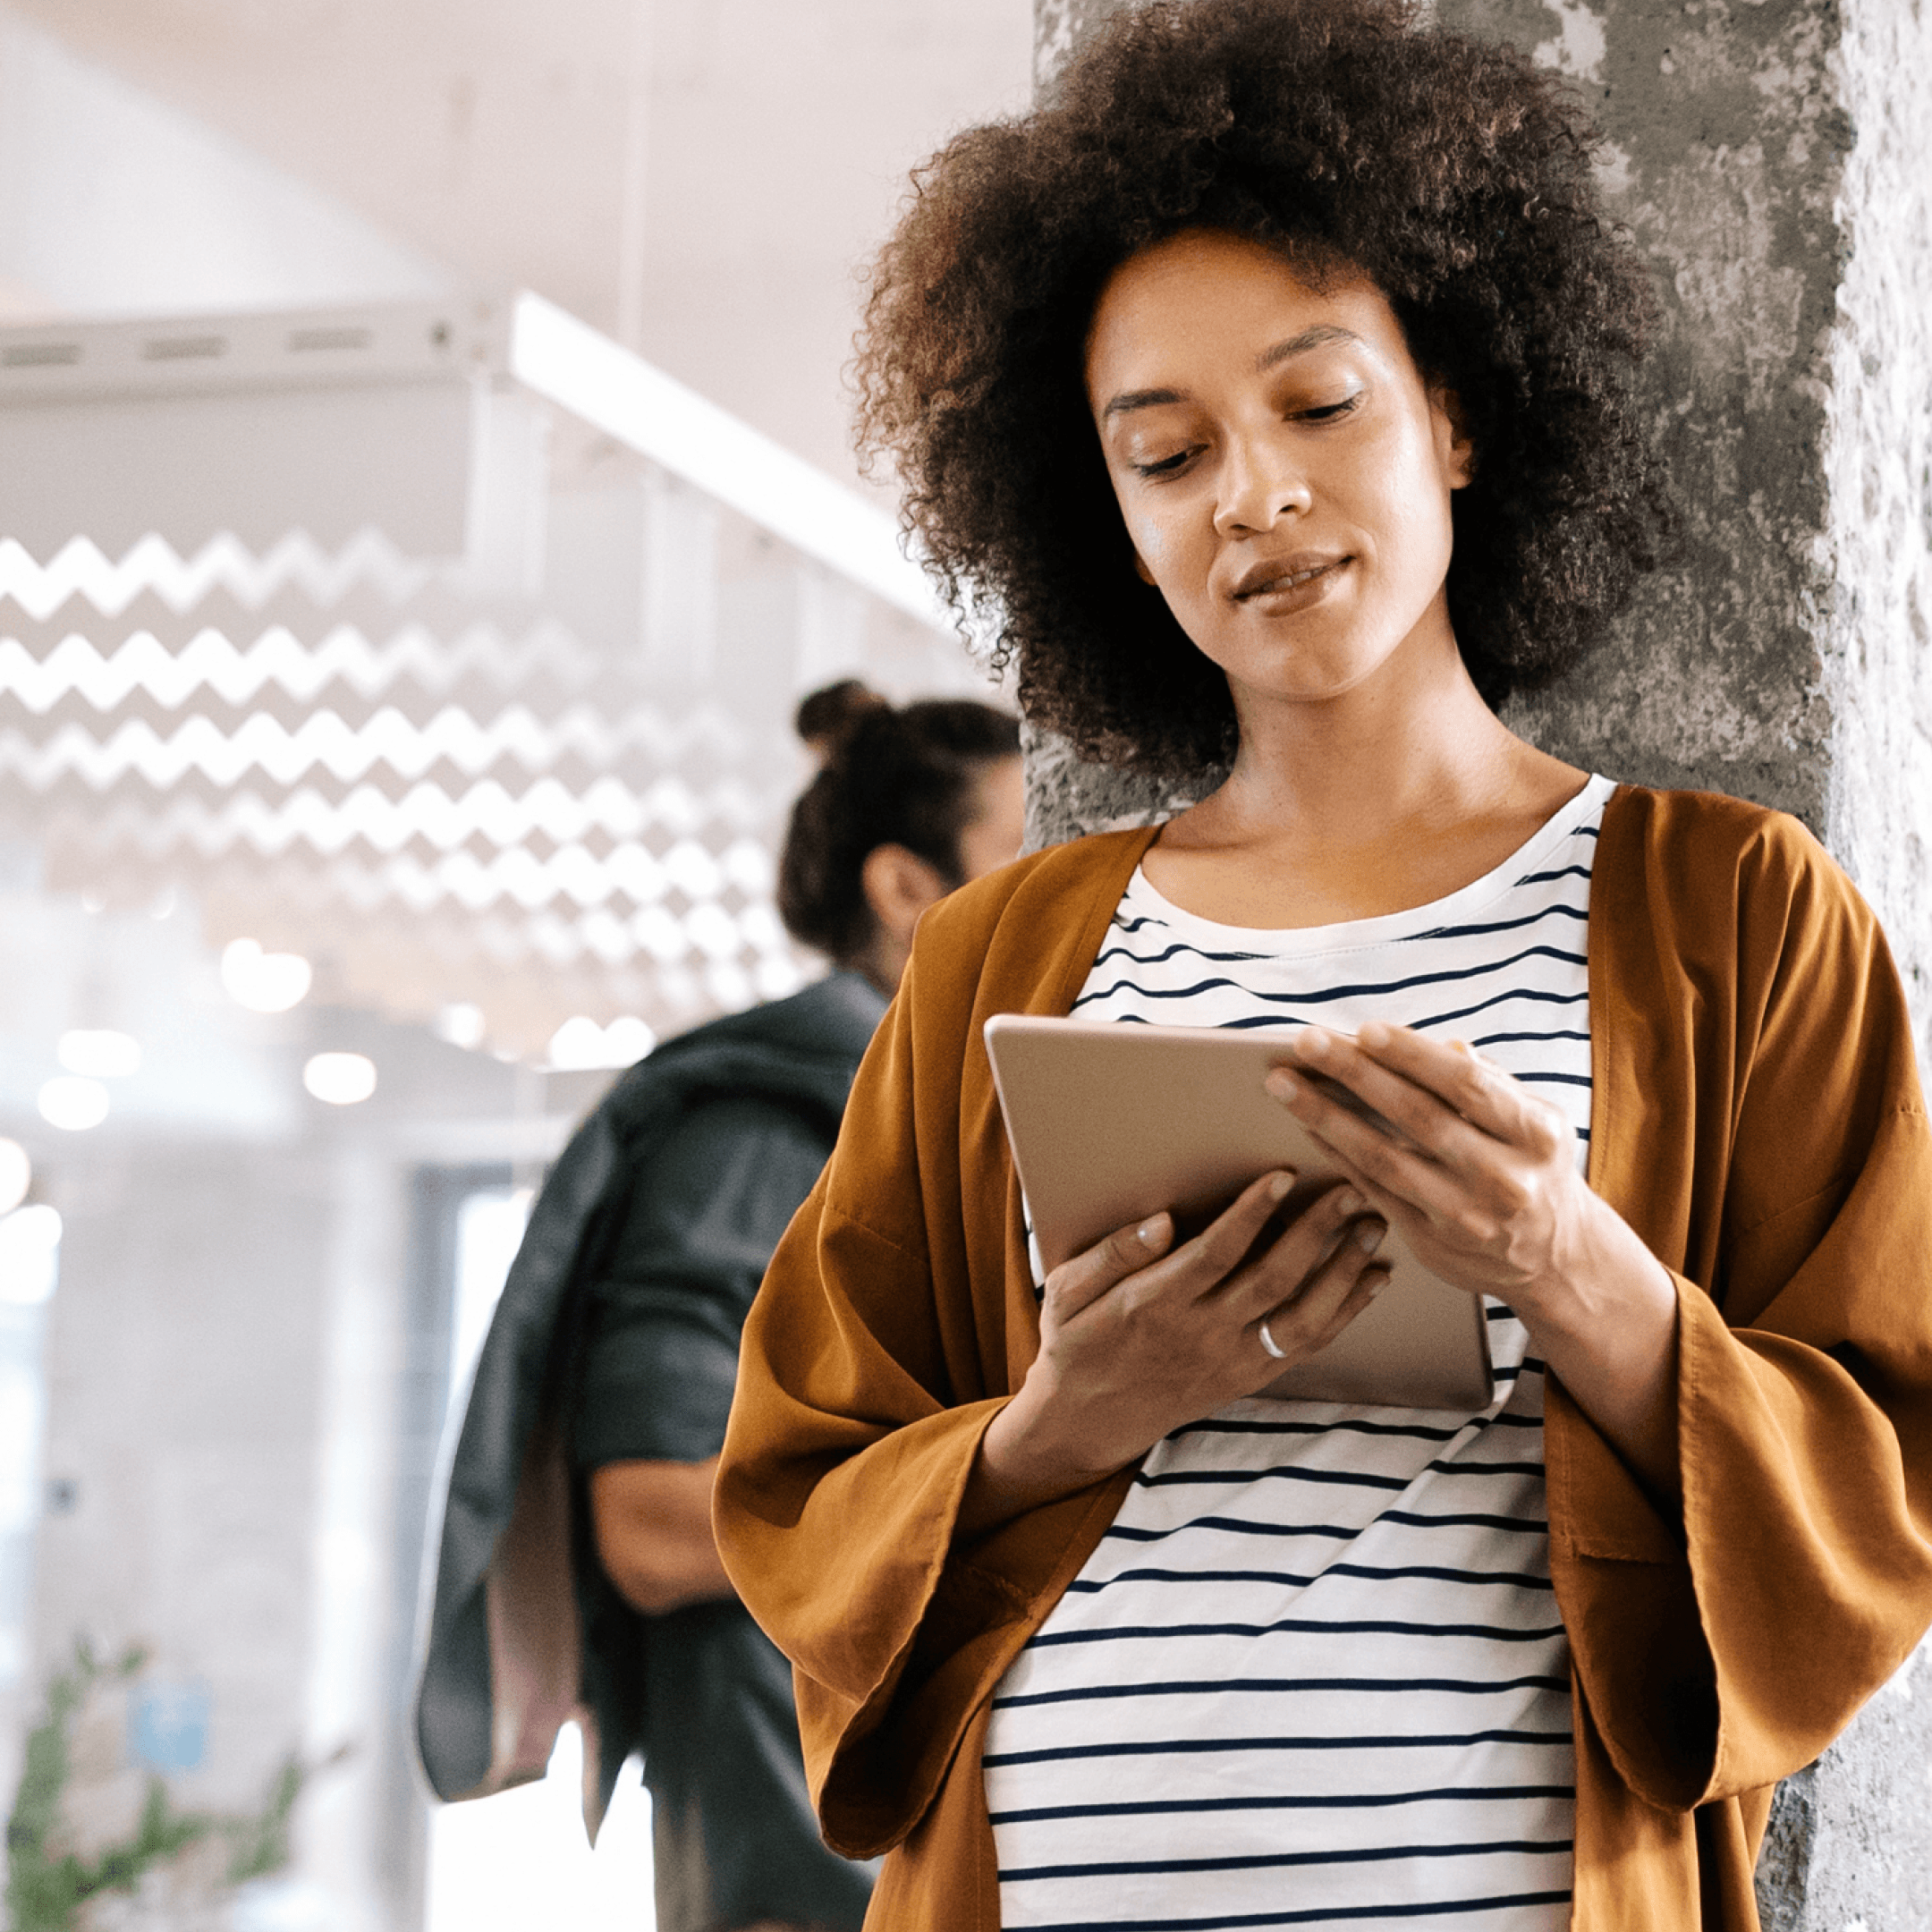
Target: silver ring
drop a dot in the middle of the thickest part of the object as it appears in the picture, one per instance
(1272, 1346)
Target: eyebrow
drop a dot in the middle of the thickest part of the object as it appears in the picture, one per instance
(1316, 337)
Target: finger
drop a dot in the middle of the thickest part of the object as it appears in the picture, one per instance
(1527, 1123)
(1286, 1265)
(1483, 1093)
(1221, 1247)
(1416, 1113)
(1387, 1170)
(1367, 1286)
(1338, 1291)
(1078, 1283)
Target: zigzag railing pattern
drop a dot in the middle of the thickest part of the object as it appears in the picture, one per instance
(438, 799)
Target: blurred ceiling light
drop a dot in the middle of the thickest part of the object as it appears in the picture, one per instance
(16, 1175)
(29, 1239)
(342, 1078)
(462, 1024)
(99, 1053)
(581, 1045)
(264, 982)
(74, 1103)
(615, 391)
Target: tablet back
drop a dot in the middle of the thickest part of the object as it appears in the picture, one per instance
(1110, 1123)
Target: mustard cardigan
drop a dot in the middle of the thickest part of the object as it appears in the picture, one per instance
(1756, 1117)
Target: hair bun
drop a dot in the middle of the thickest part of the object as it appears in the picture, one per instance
(825, 718)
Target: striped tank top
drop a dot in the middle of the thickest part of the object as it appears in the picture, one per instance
(1314, 1674)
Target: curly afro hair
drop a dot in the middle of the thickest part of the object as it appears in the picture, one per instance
(1456, 174)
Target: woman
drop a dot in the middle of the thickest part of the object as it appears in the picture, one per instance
(1272, 381)
(641, 1260)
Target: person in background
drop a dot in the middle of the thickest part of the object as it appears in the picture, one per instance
(576, 1573)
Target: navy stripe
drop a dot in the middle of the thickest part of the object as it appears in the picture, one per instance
(1558, 910)
(1545, 878)
(1307, 1626)
(1436, 1909)
(1349, 1426)
(1183, 1687)
(1193, 1747)
(1488, 1469)
(1534, 995)
(1093, 1586)
(1327, 995)
(1175, 947)
(1319, 1802)
(1345, 1478)
(1355, 1426)
(1499, 1039)
(1527, 1365)
(1240, 1525)
(1273, 1860)
(1478, 1522)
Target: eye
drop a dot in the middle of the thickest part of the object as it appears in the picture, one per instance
(1328, 411)
(1164, 466)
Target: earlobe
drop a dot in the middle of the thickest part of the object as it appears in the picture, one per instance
(1459, 451)
(1142, 572)
(898, 886)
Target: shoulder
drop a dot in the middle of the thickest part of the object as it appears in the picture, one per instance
(804, 1049)
(725, 1147)
(834, 1016)
(1720, 858)
(1737, 908)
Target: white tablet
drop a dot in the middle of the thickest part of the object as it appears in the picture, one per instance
(1111, 1123)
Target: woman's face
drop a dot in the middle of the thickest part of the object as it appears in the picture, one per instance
(1284, 467)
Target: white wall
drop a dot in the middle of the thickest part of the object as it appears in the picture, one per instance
(111, 202)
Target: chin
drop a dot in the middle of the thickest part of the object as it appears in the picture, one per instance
(1300, 680)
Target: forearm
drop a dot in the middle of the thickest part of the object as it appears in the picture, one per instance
(1610, 1338)
(653, 1527)
(1020, 1465)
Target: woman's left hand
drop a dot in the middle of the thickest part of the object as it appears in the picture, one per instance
(1483, 1185)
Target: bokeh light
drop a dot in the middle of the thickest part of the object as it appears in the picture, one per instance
(264, 982)
(341, 1079)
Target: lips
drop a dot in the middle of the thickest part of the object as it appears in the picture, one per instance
(1273, 575)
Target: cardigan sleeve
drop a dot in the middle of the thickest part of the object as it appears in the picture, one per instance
(1720, 1656)
(872, 1362)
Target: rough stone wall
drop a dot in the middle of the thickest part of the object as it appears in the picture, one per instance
(1769, 157)
(1726, 141)
(1877, 630)
(1871, 1796)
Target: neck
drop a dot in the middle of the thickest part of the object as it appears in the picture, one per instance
(883, 962)
(1414, 740)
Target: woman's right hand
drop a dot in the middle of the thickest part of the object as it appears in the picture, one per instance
(1138, 1337)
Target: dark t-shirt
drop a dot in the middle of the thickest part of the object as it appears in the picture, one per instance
(735, 1839)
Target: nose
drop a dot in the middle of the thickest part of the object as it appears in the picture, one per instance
(1260, 483)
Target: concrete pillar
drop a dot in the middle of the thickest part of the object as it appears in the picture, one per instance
(1763, 154)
